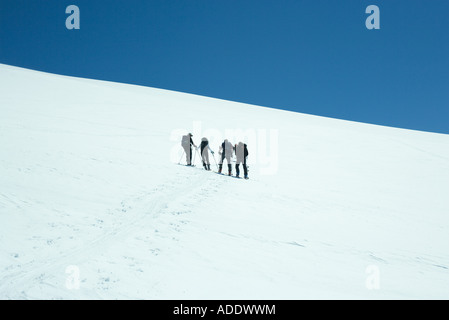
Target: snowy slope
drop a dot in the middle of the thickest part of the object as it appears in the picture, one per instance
(93, 205)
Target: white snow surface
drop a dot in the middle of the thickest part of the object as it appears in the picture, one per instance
(94, 206)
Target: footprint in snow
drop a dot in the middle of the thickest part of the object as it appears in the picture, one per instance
(294, 243)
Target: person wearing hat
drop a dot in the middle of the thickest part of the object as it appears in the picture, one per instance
(205, 148)
(225, 151)
(187, 144)
(241, 153)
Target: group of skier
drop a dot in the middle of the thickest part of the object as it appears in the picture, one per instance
(226, 151)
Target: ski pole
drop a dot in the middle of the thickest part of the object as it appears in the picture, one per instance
(179, 162)
(215, 161)
(194, 156)
(199, 156)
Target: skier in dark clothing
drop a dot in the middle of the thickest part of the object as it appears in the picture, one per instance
(241, 152)
(205, 148)
(187, 144)
(226, 152)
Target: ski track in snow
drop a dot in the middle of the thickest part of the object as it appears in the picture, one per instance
(140, 212)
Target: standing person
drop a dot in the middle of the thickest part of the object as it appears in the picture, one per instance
(205, 153)
(187, 144)
(241, 152)
(226, 152)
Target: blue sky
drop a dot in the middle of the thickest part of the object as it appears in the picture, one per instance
(310, 56)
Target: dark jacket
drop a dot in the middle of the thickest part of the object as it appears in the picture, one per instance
(204, 144)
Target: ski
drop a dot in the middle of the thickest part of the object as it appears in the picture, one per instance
(230, 176)
(222, 174)
(184, 165)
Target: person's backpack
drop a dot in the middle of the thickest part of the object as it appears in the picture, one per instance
(185, 141)
(204, 145)
(228, 147)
